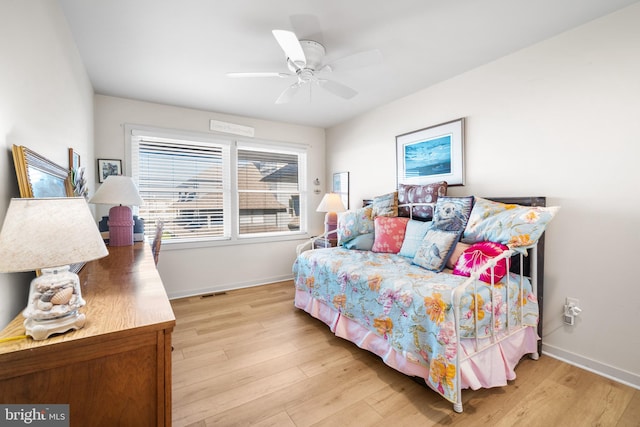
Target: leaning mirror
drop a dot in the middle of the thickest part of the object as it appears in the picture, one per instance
(39, 176)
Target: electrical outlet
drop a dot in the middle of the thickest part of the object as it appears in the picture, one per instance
(569, 320)
(572, 302)
(571, 310)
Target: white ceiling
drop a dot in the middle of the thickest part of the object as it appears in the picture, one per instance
(177, 52)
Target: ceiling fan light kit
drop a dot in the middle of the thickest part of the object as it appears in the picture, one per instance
(305, 58)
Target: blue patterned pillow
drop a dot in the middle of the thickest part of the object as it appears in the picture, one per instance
(363, 242)
(452, 213)
(413, 236)
(509, 224)
(435, 249)
(352, 224)
(385, 205)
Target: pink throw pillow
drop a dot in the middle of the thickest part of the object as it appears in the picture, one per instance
(389, 234)
(478, 254)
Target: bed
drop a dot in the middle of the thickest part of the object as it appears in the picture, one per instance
(461, 324)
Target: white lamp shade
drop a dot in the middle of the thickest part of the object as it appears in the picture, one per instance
(331, 202)
(117, 190)
(48, 232)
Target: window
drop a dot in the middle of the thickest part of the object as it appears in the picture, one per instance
(215, 189)
(268, 192)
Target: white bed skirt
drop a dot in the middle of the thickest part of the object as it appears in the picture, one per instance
(491, 367)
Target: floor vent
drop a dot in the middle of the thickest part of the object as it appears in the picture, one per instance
(215, 294)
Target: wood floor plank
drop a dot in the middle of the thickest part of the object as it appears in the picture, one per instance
(359, 414)
(248, 357)
(208, 404)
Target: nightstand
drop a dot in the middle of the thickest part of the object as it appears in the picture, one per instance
(325, 243)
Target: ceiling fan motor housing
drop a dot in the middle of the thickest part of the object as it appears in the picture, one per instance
(314, 53)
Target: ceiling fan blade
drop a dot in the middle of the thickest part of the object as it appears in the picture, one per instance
(337, 88)
(288, 94)
(357, 60)
(290, 44)
(259, 74)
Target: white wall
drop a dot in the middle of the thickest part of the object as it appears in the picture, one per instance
(196, 271)
(559, 119)
(46, 104)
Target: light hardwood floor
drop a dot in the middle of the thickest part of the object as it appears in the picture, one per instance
(248, 357)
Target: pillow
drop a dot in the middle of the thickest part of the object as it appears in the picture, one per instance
(452, 213)
(353, 223)
(413, 236)
(455, 254)
(420, 194)
(386, 205)
(389, 234)
(477, 255)
(509, 224)
(363, 242)
(435, 249)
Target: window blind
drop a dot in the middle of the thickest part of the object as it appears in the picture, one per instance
(268, 191)
(183, 183)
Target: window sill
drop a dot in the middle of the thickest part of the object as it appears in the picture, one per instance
(169, 245)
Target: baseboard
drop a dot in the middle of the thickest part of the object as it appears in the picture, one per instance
(616, 374)
(227, 287)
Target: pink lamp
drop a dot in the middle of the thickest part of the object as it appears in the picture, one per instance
(119, 190)
(331, 203)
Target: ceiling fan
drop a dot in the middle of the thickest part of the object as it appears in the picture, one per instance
(305, 60)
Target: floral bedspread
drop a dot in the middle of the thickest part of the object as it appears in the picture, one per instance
(409, 306)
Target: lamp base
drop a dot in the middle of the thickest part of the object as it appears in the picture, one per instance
(120, 226)
(43, 329)
(54, 300)
(330, 222)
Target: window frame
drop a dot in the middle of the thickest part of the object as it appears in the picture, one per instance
(231, 177)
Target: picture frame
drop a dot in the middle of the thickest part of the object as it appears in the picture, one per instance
(432, 154)
(74, 160)
(341, 187)
(108, 167)
(38, 176)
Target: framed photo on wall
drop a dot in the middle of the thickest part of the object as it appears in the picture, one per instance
(432, 154)
(74, 159)
(341, 187)
(108, 167)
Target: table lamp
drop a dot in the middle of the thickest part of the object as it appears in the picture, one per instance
(331, 203)
(48, 234)
(119, 190)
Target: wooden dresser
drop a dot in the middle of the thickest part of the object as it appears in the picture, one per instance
(116, 371)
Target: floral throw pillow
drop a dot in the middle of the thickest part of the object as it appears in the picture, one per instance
(352, 224)
(452, 213)
(509, 224)
(477, 255)
(389, 234)
(435, 249)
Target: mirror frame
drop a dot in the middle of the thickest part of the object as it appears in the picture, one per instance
(28, 163)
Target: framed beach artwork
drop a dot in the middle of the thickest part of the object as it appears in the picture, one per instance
(432, 154)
